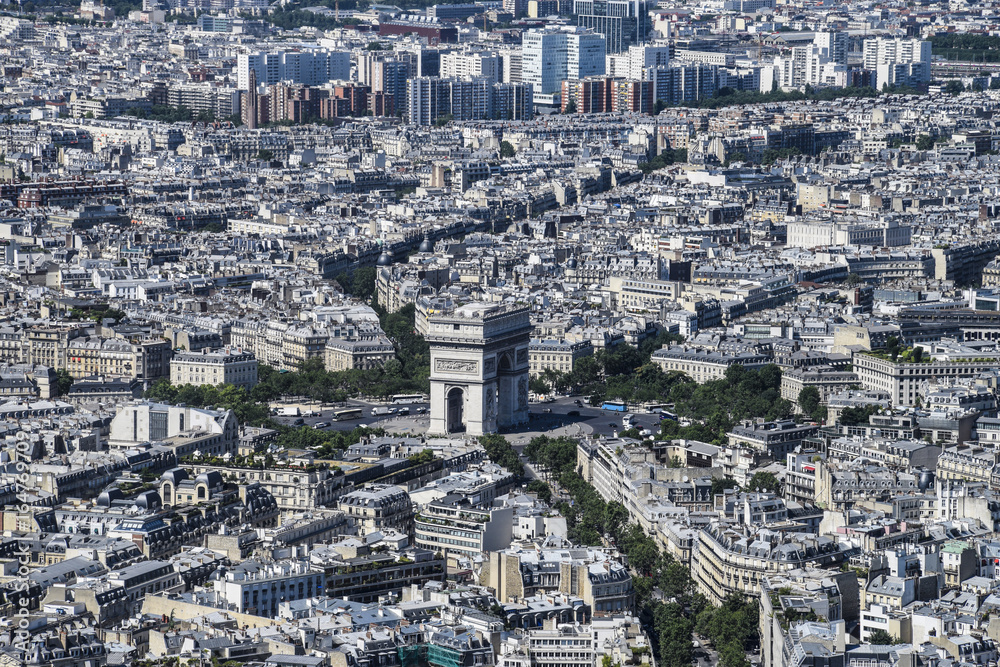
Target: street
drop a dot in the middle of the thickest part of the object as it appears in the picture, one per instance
(552, 419)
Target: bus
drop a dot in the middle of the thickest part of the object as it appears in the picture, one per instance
(345, 415)
(617, 406)
(407, 399)
(668, 415)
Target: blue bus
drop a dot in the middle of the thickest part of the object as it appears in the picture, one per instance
(617, 406)
(668, 415)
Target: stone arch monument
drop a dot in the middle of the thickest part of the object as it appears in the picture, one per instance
(479, 368)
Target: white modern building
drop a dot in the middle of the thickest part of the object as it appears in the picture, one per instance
(257, 588)
(314, 67)
(471, 64)
(898, 61)
(553, 55)
(184, 428)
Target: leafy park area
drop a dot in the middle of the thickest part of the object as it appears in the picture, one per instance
(625, 373)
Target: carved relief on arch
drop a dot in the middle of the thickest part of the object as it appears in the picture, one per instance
(456, 366)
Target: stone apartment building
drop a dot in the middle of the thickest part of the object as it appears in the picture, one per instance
(223, 366)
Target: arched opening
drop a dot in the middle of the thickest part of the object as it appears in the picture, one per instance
(168, 494)
(202, 492)
(456, 410)
(506, 364)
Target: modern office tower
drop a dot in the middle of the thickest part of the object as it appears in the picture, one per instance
(553, 55)
(471, 64)
(898, 61)
(312, 68)
(622, 22)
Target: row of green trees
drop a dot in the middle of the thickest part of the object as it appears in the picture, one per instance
(717, 405)
(252, 408)
(665, 159)
(181, 114)
(680, 610)
(500, 451)
(726, 97)
(623, 372)
(626, 373)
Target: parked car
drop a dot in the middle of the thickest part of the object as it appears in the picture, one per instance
(321, 424)
(573, 413)
(547, 410)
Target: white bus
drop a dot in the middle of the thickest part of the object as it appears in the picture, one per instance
(345, 415)
(406, 399)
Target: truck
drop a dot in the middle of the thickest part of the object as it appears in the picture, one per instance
(381, 412)
(289, 412)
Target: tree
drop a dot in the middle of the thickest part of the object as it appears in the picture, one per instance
(363, 283)
(732, 655)
(264, 155)
(499, 451)
(881, 638)
(425, 456)
(924, 143)
(615, 518)
(853, 279)
(892, 347)
(506, 149)
(63, 382)
(538, 385)
(676, 581)
(658, 107)
(809, 403)
(541, 489)
(917, 355)
(720, 485)
(856, 416)
(643, 557)
(444, 119)
(954, 87)
(764, 481)
(586, 370)
(570, 106)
